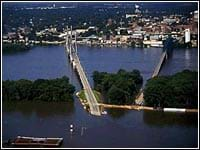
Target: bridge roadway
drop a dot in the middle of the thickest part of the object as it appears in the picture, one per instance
(140, 99)
(92, 101)
(158, 67)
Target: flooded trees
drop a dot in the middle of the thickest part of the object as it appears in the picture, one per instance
(119, 88)
(179, 90)
(57, 89)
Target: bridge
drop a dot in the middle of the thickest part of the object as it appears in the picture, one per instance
(161, 61)
(71, 50)
(140, 98)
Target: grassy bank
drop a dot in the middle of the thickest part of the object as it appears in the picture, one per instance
(96, 94)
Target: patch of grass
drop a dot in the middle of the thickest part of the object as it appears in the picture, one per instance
(96, 94)
(82, 95)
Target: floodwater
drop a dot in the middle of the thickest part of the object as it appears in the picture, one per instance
(119, 128)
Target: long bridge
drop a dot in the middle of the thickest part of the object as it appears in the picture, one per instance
(71, 49)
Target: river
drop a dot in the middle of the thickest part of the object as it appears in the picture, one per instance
(119, 128)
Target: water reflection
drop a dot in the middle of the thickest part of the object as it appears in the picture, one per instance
(187, 54)
(161, 119)
(180, 60)
(187, 58)
(15, 53)
(116, 113)
(120, 127)
(41, 109)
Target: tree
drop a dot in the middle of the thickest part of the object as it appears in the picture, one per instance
(116, 95)
(119, 88)
(41, 89)
(179, 90)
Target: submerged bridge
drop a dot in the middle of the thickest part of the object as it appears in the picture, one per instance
(71, 49)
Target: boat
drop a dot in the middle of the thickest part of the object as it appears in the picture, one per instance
(104, 112)
(34, 141)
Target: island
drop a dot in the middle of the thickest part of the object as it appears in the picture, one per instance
(176, 91)
(118, 88)
(58, 89)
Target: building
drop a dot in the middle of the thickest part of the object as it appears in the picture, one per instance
(196, 16)
(130, 15)
(169, 20)
(187, 35)
(153, 43)
(81, 30)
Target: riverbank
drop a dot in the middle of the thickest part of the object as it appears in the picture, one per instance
(83, 100)
(99, 45)
(17, 47)
(138, 107)
(129, 107)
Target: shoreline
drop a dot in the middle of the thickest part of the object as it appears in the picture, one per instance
(99, 45)
(136, 107)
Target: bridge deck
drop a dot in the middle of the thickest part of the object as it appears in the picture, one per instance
(71, 50)
(94, 107)
(158, 67)
(140, 99)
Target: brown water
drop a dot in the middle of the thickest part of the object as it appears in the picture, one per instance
(119, 128)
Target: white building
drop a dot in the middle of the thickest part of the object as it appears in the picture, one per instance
(196, 16)
(169, 20)
(130, 15)
(81, 30)
(187, 35)
(153, 43)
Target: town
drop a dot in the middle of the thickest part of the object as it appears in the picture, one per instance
(99, 74)
(137, 28)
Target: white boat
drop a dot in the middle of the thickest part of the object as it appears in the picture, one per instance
(104, 112)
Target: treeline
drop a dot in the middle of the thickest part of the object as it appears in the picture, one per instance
(119, 88)
(58, 89)
(14, 47)
(179, 90)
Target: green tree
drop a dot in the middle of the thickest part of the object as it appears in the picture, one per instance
(179, 90)
(41, 89)
(119, 88)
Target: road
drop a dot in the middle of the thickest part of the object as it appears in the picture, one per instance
(140, 99)
(94, 107)
(158, 67)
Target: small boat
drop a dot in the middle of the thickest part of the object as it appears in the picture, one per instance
(104, 112)
(34, 141)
